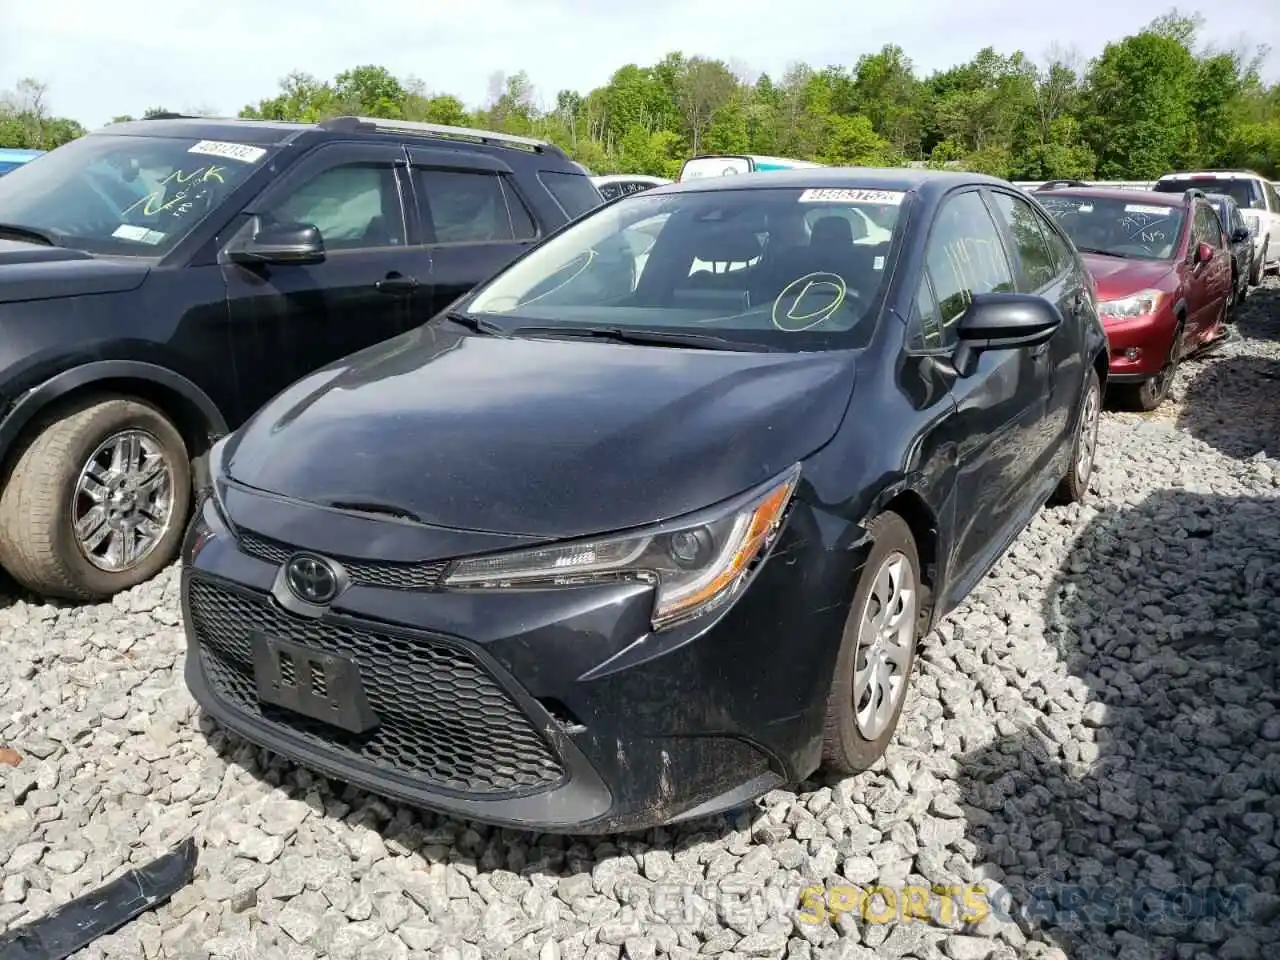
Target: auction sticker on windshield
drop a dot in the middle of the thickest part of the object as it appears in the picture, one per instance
(229, 151)
(1147, 208)
(843, 195)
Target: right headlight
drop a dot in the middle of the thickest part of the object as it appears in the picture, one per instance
(696, 564)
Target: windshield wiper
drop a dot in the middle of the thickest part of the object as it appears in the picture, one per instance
(1106, 253)
(476, 324)
(648, 338)
(19, 232)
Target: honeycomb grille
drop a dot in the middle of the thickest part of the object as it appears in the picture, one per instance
(390, 576)
(443, 717)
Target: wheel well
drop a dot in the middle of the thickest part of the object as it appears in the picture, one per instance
(924, 528)
(196, 431)
(1102, 368)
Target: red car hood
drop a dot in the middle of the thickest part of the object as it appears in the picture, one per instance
(1117, 277)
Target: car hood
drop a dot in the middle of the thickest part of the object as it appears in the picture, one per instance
(539, 437)
(33, 271)
(1117, 277)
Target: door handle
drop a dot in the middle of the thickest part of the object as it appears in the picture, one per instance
(396, 285)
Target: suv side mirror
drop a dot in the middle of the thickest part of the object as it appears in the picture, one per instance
(1004, 321)
(1203, 253)
(276, 242)
(1240, 234)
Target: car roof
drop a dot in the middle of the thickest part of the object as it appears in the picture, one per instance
(865, 178)
(274, 133)
(1116, 193)
(1223, 174)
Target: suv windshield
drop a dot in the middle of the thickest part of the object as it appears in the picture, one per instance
(1120, 228)
(123, 195)
(1243, 191)
(794, 269)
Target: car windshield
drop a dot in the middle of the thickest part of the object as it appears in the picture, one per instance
(793, 269)
(1119, 228)
(1242, 191)
(124, 195)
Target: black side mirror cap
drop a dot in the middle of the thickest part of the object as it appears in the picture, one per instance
(1240, 235)
(276, 242)
(1004, 321)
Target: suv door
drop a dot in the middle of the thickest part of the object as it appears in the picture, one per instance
(1045, 272)
(1208, 283)
(289, 319)
(473, 221)
(998, 427)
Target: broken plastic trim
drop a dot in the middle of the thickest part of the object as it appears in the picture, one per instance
(75, 925)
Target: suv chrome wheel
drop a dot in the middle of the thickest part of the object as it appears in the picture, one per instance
(123, 501)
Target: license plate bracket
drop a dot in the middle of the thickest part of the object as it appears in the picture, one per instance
(314, 683)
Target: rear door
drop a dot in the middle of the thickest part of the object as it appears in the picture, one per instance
(289, 319)
(473, 221)
(1048, 273)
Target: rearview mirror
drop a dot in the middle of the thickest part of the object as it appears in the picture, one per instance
(276, 242)
(1004, 321)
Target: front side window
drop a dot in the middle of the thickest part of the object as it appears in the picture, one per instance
(355, 206)
(126, 195)
(1129, 229)
(1208, 229)
(964, 257)
(775, 266)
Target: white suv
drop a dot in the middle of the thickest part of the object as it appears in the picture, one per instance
(1258, 201)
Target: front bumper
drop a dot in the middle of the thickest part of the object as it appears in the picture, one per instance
(550, 710)
(1140, 346)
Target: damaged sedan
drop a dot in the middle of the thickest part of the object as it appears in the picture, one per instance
(651, 522)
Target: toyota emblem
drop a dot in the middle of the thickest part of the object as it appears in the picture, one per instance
(312, 579)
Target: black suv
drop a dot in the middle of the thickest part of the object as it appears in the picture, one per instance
(161, 279)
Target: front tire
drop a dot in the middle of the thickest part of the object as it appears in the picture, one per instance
(877, 651)
(1148, 395)
(96, 502)
(1260, 264)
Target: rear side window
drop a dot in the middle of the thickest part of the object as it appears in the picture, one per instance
(611, 191)
(473, 206)
(574, 192)
(1036, 262)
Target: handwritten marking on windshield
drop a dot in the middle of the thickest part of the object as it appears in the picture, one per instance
(816, 286)
(154, 203)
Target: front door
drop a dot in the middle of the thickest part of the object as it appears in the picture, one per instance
(287, 319)
(998, 427)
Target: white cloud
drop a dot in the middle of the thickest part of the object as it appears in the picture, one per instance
(100, 60)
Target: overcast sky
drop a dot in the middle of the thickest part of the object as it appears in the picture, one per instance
(104, 59)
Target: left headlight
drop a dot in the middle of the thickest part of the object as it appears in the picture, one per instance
(696, 563)
(1138, 305)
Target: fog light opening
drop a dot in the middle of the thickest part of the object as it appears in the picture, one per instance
(562, 715)
(1132, 353)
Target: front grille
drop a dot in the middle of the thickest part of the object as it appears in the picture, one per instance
(443, 716)
(391, 576)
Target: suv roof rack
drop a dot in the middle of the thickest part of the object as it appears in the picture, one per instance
(351, 123)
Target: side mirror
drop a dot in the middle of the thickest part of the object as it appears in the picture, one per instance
(1240, 234)
(1004, 321)
(1203, 253)
(275, 242)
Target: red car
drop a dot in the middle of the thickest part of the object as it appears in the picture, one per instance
(1162, 266)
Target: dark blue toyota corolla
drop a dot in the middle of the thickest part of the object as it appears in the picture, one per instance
(650, 523)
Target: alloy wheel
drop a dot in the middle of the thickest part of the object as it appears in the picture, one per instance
(886, 642)
(1087, 445)
(123, 503)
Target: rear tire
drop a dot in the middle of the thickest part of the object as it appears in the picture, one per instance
(882, 634)
(1074, 487)
(119, 467)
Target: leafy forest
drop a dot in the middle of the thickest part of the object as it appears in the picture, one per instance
(1156, 101)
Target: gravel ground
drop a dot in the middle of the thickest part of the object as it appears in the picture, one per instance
(1097, 723)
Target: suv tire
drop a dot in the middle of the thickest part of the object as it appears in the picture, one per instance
(1260, 264)
(51, 486)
